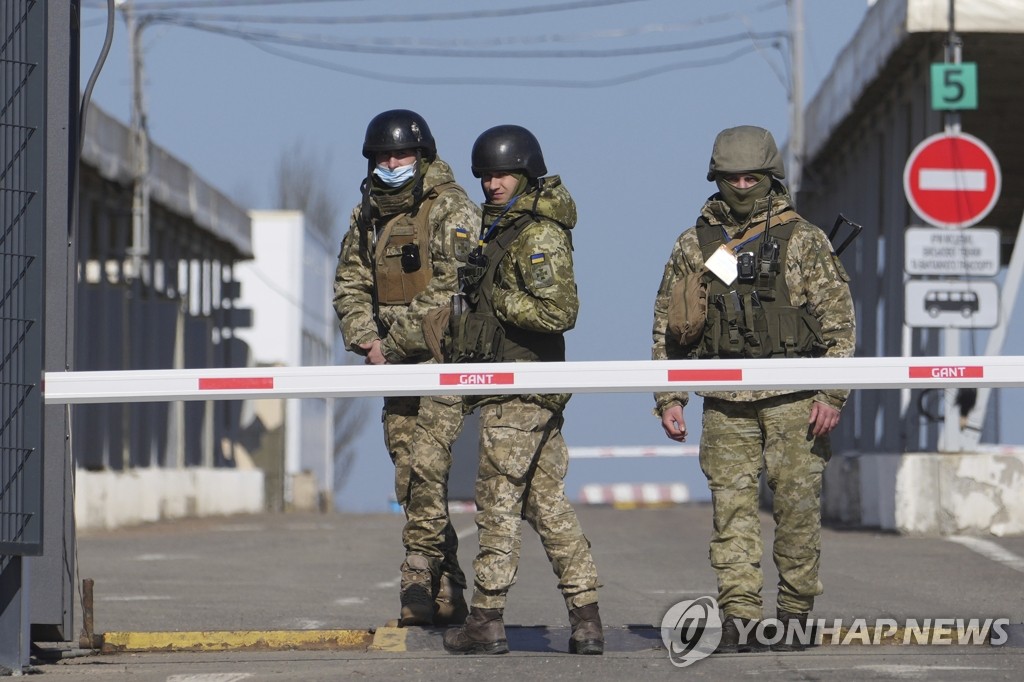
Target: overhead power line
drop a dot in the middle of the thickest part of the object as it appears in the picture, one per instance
(324, 43)
(448, 16)
(393, 18)
(498, 81)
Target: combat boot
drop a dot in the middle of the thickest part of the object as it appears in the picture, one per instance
(730, 642)
(788, 622)
(587, 635)
(416, 592)
(449, 606)
(483, 633)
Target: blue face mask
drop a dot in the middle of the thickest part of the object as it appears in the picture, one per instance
(396, 177)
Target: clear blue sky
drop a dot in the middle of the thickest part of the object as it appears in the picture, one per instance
(634, 154)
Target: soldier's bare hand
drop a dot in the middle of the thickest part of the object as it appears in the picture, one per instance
(373, 354)
(823, 419)
(674, 424)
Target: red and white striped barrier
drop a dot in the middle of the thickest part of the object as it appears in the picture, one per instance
(631, 495)
(531, 377)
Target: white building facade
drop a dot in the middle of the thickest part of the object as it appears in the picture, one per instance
(288, 287)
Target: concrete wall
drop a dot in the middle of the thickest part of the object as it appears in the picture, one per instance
(928, 493)
(111, 499)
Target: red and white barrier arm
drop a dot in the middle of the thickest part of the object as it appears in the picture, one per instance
(533, 377)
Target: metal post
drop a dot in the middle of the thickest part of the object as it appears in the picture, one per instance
(140, 142)
(996, 340)
(950, 441)
(794, 168)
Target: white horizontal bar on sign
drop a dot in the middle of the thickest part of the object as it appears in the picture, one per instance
(626, 451)
(532, 377)
(953, 179)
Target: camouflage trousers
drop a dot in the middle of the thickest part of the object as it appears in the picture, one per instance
(736, 438)
(523, 462)
(419, 433)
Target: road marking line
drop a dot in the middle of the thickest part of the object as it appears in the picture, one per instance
(990, 550)
(210, 677)
(134, 597)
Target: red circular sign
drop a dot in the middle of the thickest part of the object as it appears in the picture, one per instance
(952, 180)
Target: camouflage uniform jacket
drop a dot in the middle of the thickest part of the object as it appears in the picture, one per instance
(534, 286)
(813, 274)
(453, 220)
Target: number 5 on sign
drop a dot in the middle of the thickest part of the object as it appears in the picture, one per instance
(954, 86)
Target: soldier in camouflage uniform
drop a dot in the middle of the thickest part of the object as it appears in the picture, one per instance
(787, 295)
(525, 282)
(398, 260)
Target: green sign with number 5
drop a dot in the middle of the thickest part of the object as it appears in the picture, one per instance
(954, 86)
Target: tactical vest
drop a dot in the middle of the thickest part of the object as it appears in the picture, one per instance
(400, 275)
(519, 344)
(753, 317)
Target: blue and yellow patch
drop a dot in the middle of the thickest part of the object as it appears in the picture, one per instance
(541, 274)
(463, 243)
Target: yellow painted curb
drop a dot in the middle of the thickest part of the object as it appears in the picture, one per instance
(234, 640)
(389, 639)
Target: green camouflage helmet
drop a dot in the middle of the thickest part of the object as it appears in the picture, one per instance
(744, 149)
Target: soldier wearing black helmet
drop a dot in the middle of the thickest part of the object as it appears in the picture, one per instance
(398, 260)
(774, 288)
(520, 294)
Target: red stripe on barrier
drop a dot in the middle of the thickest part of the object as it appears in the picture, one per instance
(477, 378)
(947, 372)
(223, 384)
(705, 375)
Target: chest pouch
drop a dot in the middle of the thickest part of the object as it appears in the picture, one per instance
(401, 266)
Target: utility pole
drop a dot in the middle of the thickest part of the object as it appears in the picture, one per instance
(950, 440)
(139, 140)
(794, 166)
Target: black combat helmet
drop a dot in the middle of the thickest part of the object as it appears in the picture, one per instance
(508, 148)
(398, 129)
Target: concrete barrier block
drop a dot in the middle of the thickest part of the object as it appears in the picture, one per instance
(112, 499)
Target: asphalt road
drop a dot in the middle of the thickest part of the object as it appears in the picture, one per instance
(291, 574)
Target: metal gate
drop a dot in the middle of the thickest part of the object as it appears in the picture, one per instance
(22, 243)
(22, 173)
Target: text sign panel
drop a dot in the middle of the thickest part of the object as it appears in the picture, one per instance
(934, 251)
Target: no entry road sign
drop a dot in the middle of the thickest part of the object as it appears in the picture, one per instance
(952, 181)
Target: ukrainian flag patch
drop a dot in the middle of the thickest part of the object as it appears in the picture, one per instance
(541, 274)
(462, 243)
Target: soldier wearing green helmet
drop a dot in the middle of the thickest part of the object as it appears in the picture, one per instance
(773, 287)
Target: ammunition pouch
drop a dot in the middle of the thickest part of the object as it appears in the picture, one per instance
(740, 326)
(474, 337)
